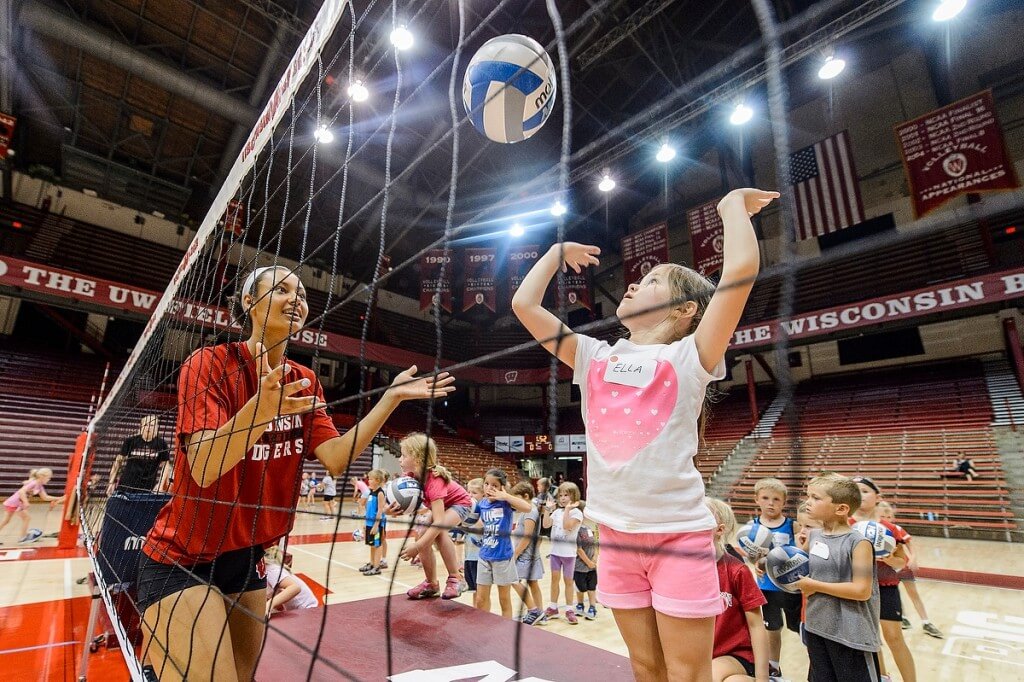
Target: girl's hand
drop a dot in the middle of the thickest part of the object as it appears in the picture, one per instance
(410, 551)
(759, 567)
(393, 509)
(753, 200)
(801, 537)
(274, 399)
(912, 565)
(550, 505)
(405, 387)
(572, 505)
(577, 256)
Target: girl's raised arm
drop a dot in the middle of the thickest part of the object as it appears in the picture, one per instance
(741, 262)
(528, 302)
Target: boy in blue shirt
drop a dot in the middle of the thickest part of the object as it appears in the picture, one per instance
(376, 522)
(495, 565)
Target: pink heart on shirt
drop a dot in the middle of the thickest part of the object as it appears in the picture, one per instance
(611, 425)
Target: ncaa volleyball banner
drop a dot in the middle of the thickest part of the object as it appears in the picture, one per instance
(955, 150)
(479, 267)
(643, 250)
(577, 289)
(7, 123)
(520, 260)
(706, 236)
(430, 274)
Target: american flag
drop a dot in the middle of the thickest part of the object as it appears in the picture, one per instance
(824, 182)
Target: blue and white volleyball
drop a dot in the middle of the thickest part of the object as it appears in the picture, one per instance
(405, 492)
(754, 539)
(509, 88)
(882, 541)
(785, 565)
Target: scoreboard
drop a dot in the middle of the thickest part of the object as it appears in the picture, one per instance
(538, 443)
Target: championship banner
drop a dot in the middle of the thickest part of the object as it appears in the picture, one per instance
(479, 267)
(643, 250)
(707, 237)
(955, 150)
(430, 271)
(520, 260)
(7, 123)
(234, 218)
(577, 289)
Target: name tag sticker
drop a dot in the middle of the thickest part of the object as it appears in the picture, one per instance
(638, 373)
(820, 549)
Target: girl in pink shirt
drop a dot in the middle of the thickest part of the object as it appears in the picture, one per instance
(449, 504)
(18, 502)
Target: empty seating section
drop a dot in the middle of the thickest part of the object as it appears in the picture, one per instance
(900, 427)
(729, 420)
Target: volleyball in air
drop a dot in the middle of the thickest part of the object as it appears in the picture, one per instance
(509, 88)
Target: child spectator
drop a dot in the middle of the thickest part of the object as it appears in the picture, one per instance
(529, 567)
(907, 578)
(770, 495)
(496, 565)
(741, 642)
(376, 523)
(564, 522)
(18, 503)
(285, 591)
(473, 537)
(330, 491)
(841, 631)
(886, 571)
(585, 574)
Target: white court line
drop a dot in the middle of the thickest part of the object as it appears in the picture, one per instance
(292, 548)
(33, 648)
(68, 590)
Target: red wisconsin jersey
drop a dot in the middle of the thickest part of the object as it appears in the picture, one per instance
(253, 503)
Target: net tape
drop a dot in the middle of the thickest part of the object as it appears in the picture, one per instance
(207, 259)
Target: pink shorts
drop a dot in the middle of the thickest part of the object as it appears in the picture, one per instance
(675, 573)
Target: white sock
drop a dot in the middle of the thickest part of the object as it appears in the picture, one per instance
(553, 605)
(926, 622)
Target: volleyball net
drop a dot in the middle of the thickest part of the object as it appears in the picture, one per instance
(294, 201)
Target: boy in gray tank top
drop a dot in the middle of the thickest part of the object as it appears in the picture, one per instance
(841, 628)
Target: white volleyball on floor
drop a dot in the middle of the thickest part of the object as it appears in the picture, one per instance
(509, 88)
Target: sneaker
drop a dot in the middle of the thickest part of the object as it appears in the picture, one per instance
(906, 624)
(452, 588)
(592, 612)
(774, 670)
(373, 571)
(932, 631)
(570, 616)
(424, 590)
(365, 567)
(32, 535)
(550, 613)
(383, 563)
(532, 616)
(579, 609)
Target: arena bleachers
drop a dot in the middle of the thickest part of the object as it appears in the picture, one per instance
(729, 420)
(901, 428)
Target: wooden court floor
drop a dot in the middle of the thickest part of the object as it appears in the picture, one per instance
(43, 610)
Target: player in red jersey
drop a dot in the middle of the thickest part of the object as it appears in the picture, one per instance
(247, 419)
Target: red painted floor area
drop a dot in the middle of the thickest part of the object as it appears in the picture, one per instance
(425, 635)
(42, 642)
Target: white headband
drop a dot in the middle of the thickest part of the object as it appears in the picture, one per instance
(250, 281)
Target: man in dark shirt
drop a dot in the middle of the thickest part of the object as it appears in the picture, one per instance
(142, 465)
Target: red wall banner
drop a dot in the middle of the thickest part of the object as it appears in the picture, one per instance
(520, 260)
(706, 235)
(964, 293)
(577, 289)
(643, 250)
(430, 271)
(234, 218)
(7, 123)
(478, 271)
(955, 150)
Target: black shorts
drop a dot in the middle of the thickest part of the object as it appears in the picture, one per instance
(890, 606)
(373, 540)
(328, 498)
(780, 602)
(747, 665)
(585, 582)
(469, 571)
(234, 572)
(835, 662)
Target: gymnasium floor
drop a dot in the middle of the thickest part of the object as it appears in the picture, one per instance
(43, 611)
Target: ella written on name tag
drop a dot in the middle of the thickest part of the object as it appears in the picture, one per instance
(638, 373)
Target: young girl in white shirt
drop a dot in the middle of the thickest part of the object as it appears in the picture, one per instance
(642, 400)
(563, 516)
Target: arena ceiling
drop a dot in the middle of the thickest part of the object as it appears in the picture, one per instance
(148, 102)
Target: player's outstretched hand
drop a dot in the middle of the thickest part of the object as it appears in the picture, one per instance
(406, 387)
(276, 399)
(753, 199)
(577, 256)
